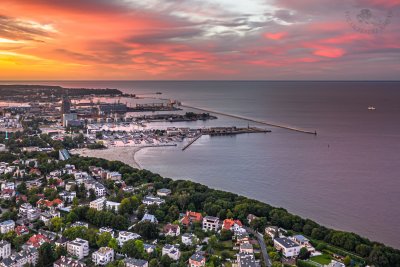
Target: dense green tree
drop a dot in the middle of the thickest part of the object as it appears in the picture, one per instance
(103, 239)
(46, 255)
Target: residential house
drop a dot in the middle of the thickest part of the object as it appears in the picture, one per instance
(114, 176)
(36, 241)
(197, 260)
(149, 248)
(191, 217)
(152, 200)
(130, 262)
(23, 209)
(149, 218)
(272, 231)
(103, 256)
(21, 230)
(25, 257)
(5, 249)
(7, 226)
(210, 223)
(62, 241)
(124, 236)
(246, 248)
(78, 248)
(80, 224)
(171, 251)
(288, 247)
(48, 215)
(68, 262)
(67, 196)
(188, 239)
(172, 230)
(233, 225)
(163, 192)
(246, 260)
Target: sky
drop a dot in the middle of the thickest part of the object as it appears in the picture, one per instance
(200, 39)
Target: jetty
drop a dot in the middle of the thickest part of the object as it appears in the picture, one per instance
(282, 126)
(192, 141)
(222, 131)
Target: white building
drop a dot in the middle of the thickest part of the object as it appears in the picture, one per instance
(78, 248)
(23, 209)
(48, 215)
(25, 257)
(246, 260)
(188, 239)
(80, 224)
(152, 200)
(210, 223)
(101, 203)
(33, 214)
(129, 262)
(288, 247)
(149, 218)
(68, 262)
(124, 236)
(98, 204)
(103, 256)
(171, 251)
(7, 226)
(67, 196)
(5, 249)
(163, 192)
(115, 176)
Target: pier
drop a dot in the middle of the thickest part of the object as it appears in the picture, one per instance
(192, 141)
(222, 131)
(286, 127)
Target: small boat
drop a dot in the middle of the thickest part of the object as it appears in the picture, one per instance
(371, 108)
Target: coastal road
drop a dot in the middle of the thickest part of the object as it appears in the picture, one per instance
(263, 246)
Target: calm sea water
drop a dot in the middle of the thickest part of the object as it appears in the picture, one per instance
(347, 177)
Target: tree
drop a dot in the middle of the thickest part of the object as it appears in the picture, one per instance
(103, 239)
(347, 260)
(22, 189)
(153, 263)
(92, 194)
(147, 230)
(125, 207)
(46, 255)
(304, 254)
(133, 248)
(56, 224)
(75, 202)
(225, 235)
(113, 243)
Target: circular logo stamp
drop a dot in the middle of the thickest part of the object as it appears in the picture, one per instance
(367, 20)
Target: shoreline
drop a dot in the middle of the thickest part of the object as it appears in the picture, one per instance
(113, 153)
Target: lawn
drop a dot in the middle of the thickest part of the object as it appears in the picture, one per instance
(323, 259)
(227, 247)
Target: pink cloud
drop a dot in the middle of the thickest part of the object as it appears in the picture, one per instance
(275, 36)
(330, 52)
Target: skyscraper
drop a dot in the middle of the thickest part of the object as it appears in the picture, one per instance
(65, 105)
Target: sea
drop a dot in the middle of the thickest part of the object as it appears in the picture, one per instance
(346, 177)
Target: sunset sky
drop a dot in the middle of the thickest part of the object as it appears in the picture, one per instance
(199, 39)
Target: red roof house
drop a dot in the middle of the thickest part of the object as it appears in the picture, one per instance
(191, 217)
(232, 225)
(37, 240)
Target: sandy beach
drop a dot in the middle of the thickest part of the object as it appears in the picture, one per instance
(124, 154)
